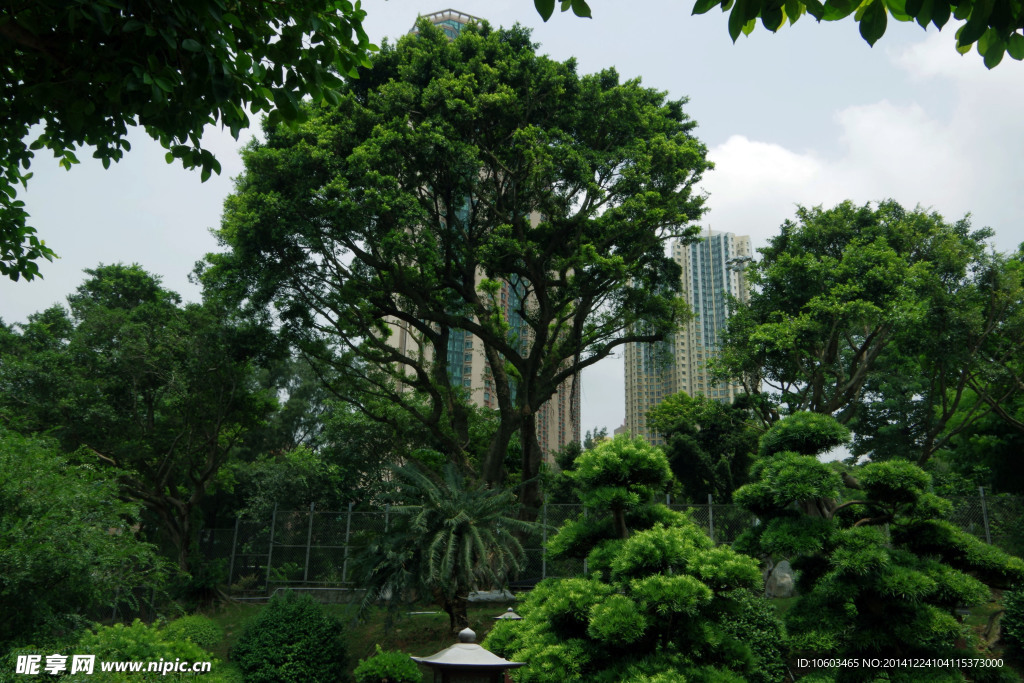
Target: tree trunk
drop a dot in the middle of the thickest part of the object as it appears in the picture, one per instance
(530, 497)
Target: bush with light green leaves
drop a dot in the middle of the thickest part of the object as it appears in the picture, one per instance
(664, 604)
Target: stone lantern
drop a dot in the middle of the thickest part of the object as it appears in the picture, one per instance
(467, 662)
(509, 616)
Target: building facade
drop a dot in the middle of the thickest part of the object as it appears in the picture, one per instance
(712, 272)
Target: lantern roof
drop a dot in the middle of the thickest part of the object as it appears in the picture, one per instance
(467, 654)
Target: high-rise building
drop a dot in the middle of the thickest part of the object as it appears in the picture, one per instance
(712, 272)
(558, 420)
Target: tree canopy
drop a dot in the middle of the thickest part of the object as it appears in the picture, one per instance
(710, 445)
(89, 71)
(467, 186)
(889, 319)
(161, 392)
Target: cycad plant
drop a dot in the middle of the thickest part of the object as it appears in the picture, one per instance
(450, 536)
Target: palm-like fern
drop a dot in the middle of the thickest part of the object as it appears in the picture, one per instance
(451, 536)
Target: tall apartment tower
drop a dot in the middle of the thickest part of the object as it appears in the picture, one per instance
(712, 271)
(558, 420)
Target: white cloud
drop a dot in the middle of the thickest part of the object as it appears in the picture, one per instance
(966, 158)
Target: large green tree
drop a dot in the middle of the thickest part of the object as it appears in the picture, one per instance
(888, 319)
(135, 381)
(89, 71)
(468, 186)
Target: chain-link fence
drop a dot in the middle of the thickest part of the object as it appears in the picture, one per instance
(313, 549)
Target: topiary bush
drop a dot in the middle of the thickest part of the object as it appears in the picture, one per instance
(388, 667)
(292, 641)
(196, 628)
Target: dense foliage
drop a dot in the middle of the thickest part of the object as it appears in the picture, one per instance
(88, 71)
(292, 640)
(467, 186)
(710, 445)
(881, 573)
(68, 545)
(132, 380)
(661, 600)
(904, 327)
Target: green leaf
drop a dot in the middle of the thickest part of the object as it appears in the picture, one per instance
(749, 27)
(872, 25)
(191, 45)
(545, 8)
(793, 10)
(913, 7)
(771, 19)
(940, 12)
(581, 9)
(163, 84)
(737, 19)
(898, 9)
(1015, 46)
(993, 57)
(839, 9)
(815, 9)
(703, 6)
(924, 15)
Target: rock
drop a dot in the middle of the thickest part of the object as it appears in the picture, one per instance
(491, 596)
(780, 582)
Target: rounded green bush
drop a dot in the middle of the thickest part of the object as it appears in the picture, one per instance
(197, 628)
(292, 641)
(387, 667)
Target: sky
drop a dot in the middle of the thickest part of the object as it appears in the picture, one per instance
(808, 116)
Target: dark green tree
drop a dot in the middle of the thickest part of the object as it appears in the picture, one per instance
(468, 186)
(89, 71)
(881, 573)
(68, 546)
(710, 445)
(135, 381)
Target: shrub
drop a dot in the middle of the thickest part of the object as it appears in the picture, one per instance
(387, 667)
(142, 643)
(1012, 623)
(196, 628)
(292, 641)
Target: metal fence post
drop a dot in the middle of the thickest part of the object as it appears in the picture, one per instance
(984, 515)
(711, 519)
(234, 547)
(544, 542)
(270, 545)
(387, 516)
(309, 541)
(348, 531)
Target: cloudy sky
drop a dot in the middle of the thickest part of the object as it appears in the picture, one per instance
(809, 116)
